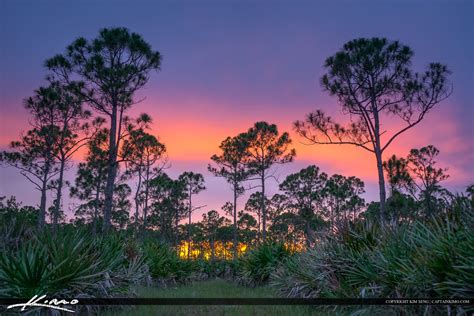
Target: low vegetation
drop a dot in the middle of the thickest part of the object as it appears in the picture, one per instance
(69, 263)
(164, 263)
(256, 266)
(428, 259)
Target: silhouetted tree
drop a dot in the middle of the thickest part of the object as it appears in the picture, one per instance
(145, 158)
(254, 205)
(34, 155)
(418, 176)
(212, 221)
(304, 192)
(121, 205)
(59, 106)
(400, 203)
(90, 183)
(91, 177)
(193, 184)
(230, 164)
(289, 228)
(401, 206)
(108, 71)
(426, 176)
(371, 79)
(247, 228)
(276, 206)
(398, 175)
(58, 121)
(14, 215)
(342, 198)
(168, 206)
(265, 147)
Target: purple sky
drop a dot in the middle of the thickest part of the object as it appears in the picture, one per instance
(228, 65)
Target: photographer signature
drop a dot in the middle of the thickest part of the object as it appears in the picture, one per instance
(39, 301)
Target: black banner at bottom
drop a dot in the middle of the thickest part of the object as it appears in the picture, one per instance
(244, 301)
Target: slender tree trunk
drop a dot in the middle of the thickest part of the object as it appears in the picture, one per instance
(235, 222)
(96, 204)
(383, 197)
(57, 202)
(137, 203)
(428, 205)
(176, 234)
(309, 234)
(259, 218)
(264, 210)
(111, 171)
(332, 216)
(42, 213)
(378, 156)
(147, 190)
(189, 224)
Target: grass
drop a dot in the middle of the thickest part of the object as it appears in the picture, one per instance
(210, 289)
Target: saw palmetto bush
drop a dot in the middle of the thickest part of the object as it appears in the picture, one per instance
(165, 264)
(255, 267)
(422, 259)
(68, 263)
(433, 258)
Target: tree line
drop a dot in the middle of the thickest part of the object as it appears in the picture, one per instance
(92, 85)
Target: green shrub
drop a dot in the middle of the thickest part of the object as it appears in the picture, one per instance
(256, 266)
(164, 262)
(314, 273)
(68, 263)
(417, 259)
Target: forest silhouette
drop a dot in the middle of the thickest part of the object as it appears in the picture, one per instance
(134, 222)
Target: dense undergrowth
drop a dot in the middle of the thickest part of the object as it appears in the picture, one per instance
(256, 267)
(422, 258)
(417, 259)
(69, 263)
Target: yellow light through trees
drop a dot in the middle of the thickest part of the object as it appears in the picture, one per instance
(207, 250)
(219, 250)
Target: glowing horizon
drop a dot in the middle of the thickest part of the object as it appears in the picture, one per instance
(220, 76)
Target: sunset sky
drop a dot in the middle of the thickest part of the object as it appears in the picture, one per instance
(226, 66)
